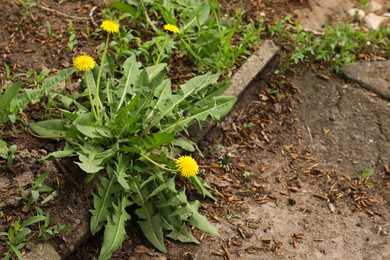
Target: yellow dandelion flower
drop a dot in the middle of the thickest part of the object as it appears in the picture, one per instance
(84, 63)
(110, 26)
(187, 166)
(171, 28)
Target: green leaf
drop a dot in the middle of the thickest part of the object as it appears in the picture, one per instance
(120, 172)
(131, 72)
(155, 70)
(16, 251)
(196, 219)
(34, 196)
(156, 140)
(51, 196)
(182, 234)
(20, 236)
(367, 172)
(199, 17)
(216, 109)
(178, 200)
(91, 163)
(33, 220)
(200, 185)
(179, 231)
(60, 76)
(6, 98)
(152, 230)
(85, 125)
(184, 144)
(192, 86)
(11, 233)
(102, 201)
(93, 131)
(39, 180)
(3, 149)
(115, 232)
(54, 128)
(123, 7)
(151, 226)
(129, 149)
(67, 152)
(169, 185)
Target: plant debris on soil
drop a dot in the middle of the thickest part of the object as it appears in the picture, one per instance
(276, 198)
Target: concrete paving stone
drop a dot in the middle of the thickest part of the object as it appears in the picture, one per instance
(253, 65)
(373, 76)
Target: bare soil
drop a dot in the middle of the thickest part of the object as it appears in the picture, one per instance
(290, 190)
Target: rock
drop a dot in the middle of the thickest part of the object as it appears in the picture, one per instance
(43, 252)
(375, 6)
(374, 76)
(374, 21)
(356, 14)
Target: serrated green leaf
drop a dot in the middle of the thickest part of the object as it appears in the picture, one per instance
(131, 72)
(152, 230)
(192, 86)
(60, 76)
(156, 140)
(200, 185)
(102, 201)
(90, 164)
(115, 232)
(198, 17)
(129, 149)
(216, 109)
(175, 201)
(54, 128)
(169, 185)
(200, 221)
(67, 152)
(120, 171)
(183, 143)
(182, 234)
(94, 131)
(196, 219)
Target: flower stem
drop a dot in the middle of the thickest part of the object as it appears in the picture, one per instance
(159, 56)
(99, 76)
(158, 165)
(90, 96)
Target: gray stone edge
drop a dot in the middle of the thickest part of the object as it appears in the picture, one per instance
(240, 81)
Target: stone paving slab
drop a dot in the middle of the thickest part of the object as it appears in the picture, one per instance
(374, 76)
(252, 67)
(342, 123)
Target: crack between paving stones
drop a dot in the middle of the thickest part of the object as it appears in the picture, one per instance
(340, 96)
(380, 127)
